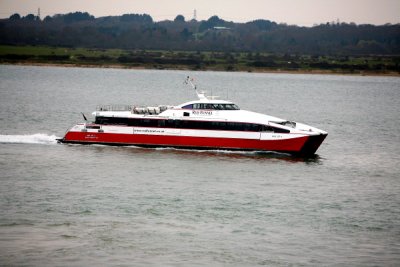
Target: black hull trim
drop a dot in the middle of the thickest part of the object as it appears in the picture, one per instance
(311, 145)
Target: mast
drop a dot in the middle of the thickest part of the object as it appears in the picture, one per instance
(201, 95)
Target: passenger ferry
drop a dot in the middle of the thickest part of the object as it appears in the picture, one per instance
(206, 123)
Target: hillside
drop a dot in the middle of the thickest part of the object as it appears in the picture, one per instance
(136, 41)
(134, 31)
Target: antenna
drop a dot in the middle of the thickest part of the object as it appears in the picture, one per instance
(38, 13)
(200, 95)
(84, 117)
(190, 81)
(195, 14)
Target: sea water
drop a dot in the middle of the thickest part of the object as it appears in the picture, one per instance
(75, 205)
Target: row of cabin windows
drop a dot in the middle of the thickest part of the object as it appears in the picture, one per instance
(212, 106)
(190, 124)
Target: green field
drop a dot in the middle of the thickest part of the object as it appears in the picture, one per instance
(234, 61)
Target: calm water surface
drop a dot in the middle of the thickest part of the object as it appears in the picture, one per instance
(74, 205)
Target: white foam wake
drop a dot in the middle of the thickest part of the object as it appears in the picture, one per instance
(29, 139)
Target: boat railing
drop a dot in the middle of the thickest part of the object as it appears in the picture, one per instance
(114, 108)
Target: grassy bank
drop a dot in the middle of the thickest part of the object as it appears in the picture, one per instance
(221, 61)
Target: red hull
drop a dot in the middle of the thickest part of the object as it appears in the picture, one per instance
(306, 145)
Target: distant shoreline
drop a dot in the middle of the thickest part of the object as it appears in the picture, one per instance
(259, 70)
(371, 65)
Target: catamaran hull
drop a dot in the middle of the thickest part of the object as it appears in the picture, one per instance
(304, 145)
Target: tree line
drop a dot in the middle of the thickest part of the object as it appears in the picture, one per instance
(140, 31)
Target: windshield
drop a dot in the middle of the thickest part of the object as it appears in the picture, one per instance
(215, 106)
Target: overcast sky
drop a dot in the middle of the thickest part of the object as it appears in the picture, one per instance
(300, 12)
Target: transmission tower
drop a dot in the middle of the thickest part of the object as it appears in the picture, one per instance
(195, 15)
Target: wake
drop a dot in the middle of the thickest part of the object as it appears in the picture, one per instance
(29, 139)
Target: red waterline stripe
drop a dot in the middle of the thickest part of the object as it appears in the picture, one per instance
(286, 145)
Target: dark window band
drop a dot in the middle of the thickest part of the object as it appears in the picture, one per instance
(214, 106)
(190, 124)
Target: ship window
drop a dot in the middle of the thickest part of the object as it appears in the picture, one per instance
(92, 126)
(266, 128)
(111, 120)
(172, 123)
(150, 123)
(216, 106)
(280, 130)
(202, 106)
(134, 122)
(232, 107)
(161, 123)
(190, 106)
